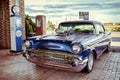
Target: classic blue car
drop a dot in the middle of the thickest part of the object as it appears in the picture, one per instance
(74, 47)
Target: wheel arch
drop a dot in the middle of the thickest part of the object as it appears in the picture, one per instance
(95, 53)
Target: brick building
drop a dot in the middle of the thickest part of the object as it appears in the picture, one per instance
(5, 12)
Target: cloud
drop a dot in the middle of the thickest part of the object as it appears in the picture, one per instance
(60, 9)
(57, 6)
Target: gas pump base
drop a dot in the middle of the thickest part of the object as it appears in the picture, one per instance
(15, 51)
(12, 52)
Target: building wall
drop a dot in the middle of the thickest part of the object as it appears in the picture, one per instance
(5, 12)
(4, 24)
(23, 19)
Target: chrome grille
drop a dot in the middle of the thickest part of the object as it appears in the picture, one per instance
(54, 56)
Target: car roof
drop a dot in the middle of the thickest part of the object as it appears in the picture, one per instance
(82, 21)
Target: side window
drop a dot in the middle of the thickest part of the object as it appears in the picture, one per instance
(99, 28)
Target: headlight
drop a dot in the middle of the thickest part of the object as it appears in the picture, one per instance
(27, 44)
(76, 48)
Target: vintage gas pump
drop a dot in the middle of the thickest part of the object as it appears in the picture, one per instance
(40, 25)
(15, 30)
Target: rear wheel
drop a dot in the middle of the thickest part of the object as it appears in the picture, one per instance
(90, 63)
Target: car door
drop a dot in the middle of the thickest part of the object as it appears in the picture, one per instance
(101, 41)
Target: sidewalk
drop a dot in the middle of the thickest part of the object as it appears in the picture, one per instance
(15, 67)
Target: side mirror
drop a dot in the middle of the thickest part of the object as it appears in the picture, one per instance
(59, 31)
(101, 32)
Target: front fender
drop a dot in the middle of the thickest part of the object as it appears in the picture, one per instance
(86, 53)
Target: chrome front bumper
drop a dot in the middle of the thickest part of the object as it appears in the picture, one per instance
(56, 59)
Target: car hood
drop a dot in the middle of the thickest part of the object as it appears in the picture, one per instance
(73, 37)
(60, 42)
(80, 38)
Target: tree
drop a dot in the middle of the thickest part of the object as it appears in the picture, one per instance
(29, 25)
(50, 25)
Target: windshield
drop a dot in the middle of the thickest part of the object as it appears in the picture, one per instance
(77, 27)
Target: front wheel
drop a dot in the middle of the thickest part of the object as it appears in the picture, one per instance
(90, 63)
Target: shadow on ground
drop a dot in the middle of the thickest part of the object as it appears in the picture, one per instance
(115, 45)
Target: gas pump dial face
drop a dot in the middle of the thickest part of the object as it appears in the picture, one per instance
(18, 33)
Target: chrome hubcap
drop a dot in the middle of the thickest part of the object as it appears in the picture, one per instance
(90, 61)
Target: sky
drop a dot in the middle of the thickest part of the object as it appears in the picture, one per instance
(60, 10)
